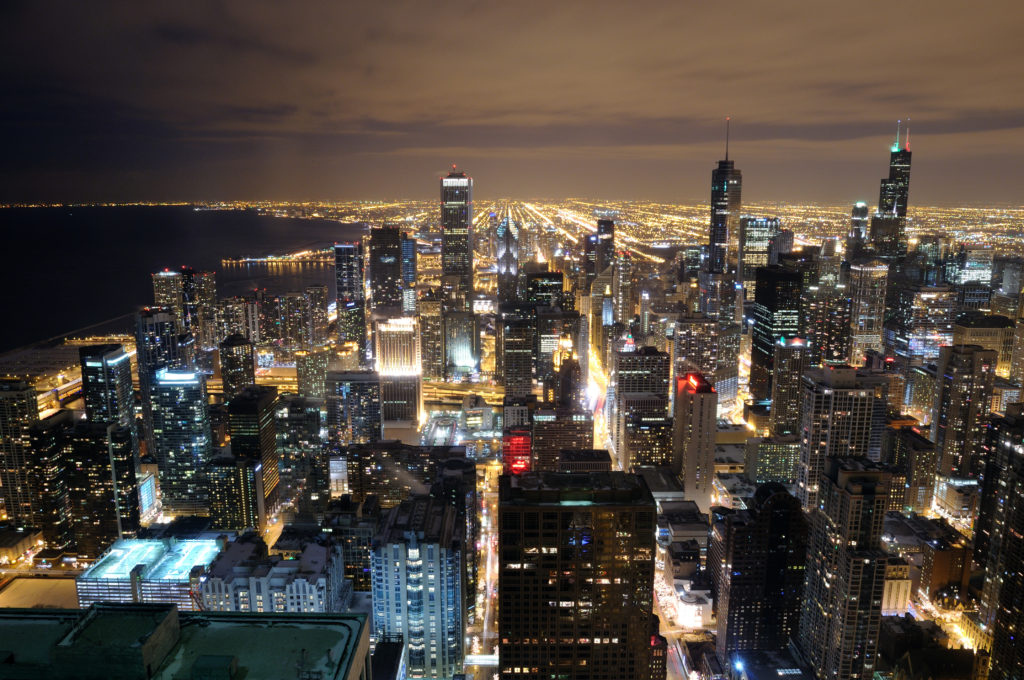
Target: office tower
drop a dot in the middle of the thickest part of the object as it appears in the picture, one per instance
(385, 267)
(695, 344)
(305, 474)
(239, 314)
(963, 398)
(557, 429)
(779, 245)
(418, 585)
(353, 407)
(970, 264)
(508, 260)
(696, 425)
(408, 274)
(192, 295)
(623, 289)
(600, 548)
(1001, 528)
(351, 295)
(726, 204)
(311, 372)
(889, 224)
(318, 322)
(842, 601)
(46, 476)
(776, 316)
(756, 558)
(254, 436)
(922, 321)
(237, 365)
(431, 337)
(648, 441)
(914, 455)
(604, 253)
(826, 323)
(839, 419)
(461, 344)
(353, 526)
(517, 449)
(457, 240)
(772, 459)
(19, 411)
(638, 386)
(103, 492)
(992, 332)
(867, 283)
(789, 363)
(857, 237)
(107, 384)
(182, 440)
(545, 288)
(755, 235)
(158, 345)
(398, 365)
(570, 389)
(236, 494)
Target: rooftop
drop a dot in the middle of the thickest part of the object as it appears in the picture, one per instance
(161, 560)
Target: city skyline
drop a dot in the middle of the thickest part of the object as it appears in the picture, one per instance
(230, 103)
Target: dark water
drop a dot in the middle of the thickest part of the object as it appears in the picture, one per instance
(63, 269)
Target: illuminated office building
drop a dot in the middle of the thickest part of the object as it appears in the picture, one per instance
(789, 362)
(889, 224)
(557, 429)
(648, 441)
(595, 532)
(431, 336)
(755, 235)
(604, 252)
(107, 384)
(103, 493)
(182, 439)
(914, 455)
(461, 344)
(776, 315)
(168, 292)
(638, 386)
(696, 426)
(237, 365)
(545, 288)
(457, 239)
(970, 264)
(922, 321)
(19, 411)
(318, 321)
(254, 436)
(695, 344)
(419, 589)
(842, 601)
(726, 204)
(857, 237)
(46, 476)
(867, 283)
(517, 450)
(351, 296)
(397, 346)
(991, 332)
(963, 396)
(756, 560)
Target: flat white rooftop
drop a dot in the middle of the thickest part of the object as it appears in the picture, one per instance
(161, 560)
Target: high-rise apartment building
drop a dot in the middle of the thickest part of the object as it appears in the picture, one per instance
(431, 336)
(963, 400)
(846, 568)
(311, 372)
(182, 439)
(19, 411)
(236, 494)
(418, 585)
(317, 317)
(576, 576)
(351, 296)
(386, 268)
(107, 384)
(353, 407)
(47, 476)
(696, 425)
(839, 419)
(789, 361)
(756, 559)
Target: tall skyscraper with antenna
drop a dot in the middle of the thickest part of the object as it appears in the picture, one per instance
(726, 187)
(889, 224)
(457, 239)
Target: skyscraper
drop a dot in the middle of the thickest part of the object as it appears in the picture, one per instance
(839, 419)
(604, 251)
(254, 437)
(858, 234)
(398, 364)
(351, 296)
(182, 439)
(107, 384)
(726, 204)
(311, 372)
(842, 602)
(237, 365)
(236, 494)
(353, 407)
(557, 429)
(756, 558)
(508, 260)
(576, 566)
(386, 268)
(755, 235)
(419, 584)
(47, 477)
(889, 224)
(867, 285)
(789, 362)
(696, 425)
(963, 399)
(431, 336)
(19, 411)
(317, 319)
(776, 316)
(638, 386)
(457, 239)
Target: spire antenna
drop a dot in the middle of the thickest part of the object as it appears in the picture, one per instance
(906, 141)
(727, 119)
(898, 121)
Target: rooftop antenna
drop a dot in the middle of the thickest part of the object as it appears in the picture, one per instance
(727, 118)
(896, 146)
(906, 142)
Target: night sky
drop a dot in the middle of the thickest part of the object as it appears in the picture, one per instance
(623, 100)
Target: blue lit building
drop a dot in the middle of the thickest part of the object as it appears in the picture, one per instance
(182, 439)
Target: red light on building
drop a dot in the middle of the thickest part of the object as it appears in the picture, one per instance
(516, 451)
